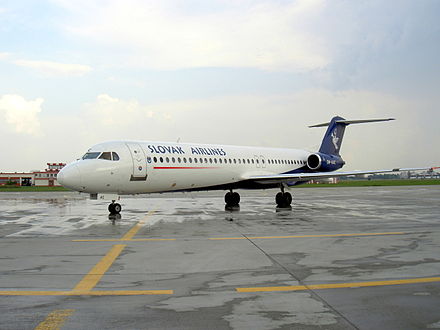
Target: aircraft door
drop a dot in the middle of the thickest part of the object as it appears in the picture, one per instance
(139, 162)
(263, 162)
(257, 161)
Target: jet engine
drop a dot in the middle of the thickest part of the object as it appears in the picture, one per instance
(324, 163)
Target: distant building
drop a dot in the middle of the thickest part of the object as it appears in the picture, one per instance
(46, 178)
(430, 174)
(17, 178)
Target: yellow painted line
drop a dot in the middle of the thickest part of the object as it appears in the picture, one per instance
(87, 293)
(130, 292)
(124, 240)
(55, 320)
(237, 238)
(133, 231)
(94, 276)
(339, 285)
(308, 236)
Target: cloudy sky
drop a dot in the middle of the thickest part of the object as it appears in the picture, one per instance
(76, 73)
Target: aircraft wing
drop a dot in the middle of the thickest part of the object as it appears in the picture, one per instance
(322, 175)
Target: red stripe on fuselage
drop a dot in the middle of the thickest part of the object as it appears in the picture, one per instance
(182, 168)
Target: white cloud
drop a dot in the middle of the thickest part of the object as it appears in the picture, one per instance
(166, 35)
(259, 120)
(20, 114)
(271, 121)
(4, 55)
(111, 111)
(50, 68)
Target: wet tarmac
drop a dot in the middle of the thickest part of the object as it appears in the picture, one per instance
(341, 258)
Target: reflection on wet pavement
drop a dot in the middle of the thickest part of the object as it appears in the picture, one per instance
(202, 252)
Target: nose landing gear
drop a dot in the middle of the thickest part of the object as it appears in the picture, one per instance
(114, 208)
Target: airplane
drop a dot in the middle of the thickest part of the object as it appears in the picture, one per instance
(116, 168)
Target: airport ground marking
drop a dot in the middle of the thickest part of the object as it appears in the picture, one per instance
(133, 231)
(55, 319)
(88, 293)
(238, 238)
(90, 280)
(338, 285)
(125, 240)
(305, 236)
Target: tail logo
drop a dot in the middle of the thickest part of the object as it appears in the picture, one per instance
(335, 139)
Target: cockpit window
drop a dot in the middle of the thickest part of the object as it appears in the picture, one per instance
(106, 155)
(91, 155)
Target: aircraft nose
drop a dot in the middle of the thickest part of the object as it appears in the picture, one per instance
(70, 177)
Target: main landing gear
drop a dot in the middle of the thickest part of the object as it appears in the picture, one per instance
(283, 199)
(114, 208)
(232, 199)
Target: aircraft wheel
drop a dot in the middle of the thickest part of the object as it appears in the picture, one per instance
(114, 208)
(228, 198)
(288, 198)
(279, 199)
(235, 198)
(118, 208)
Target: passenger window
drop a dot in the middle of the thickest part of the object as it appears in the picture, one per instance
(220, 160)
(161, 159)
(173, 160)
(206, 160)
(210, 160)
(106, 156)
(115, 156)
(201, 160)
(167, 160)
(215, 160)
(184, 159)
(178, 160)
(155, 159)
(190, 160)
(195, 160)
(239, 160)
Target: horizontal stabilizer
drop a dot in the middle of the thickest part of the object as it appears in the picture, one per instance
(348, 122)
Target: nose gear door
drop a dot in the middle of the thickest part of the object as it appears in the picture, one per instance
(139, 162)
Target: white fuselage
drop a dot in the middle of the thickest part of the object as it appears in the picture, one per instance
(147, 167)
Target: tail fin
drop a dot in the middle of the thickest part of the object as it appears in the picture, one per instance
(331, 143)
